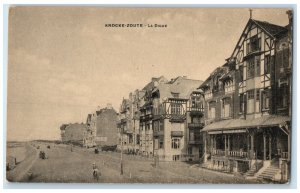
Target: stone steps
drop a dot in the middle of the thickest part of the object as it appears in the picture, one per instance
(269, 173)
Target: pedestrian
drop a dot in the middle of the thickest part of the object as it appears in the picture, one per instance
(96, 172)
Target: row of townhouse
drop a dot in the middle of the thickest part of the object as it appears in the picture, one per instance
(164, 120)
(237, 120)
(248, 105)
(100, 129)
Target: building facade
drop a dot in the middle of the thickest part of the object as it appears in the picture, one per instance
(146, 116)
(248, 105)
(172, 139)
(128, 125)
(101, 128)
(72, 133)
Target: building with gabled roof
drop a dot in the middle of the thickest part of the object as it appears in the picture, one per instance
(170, 103)
(248, 105)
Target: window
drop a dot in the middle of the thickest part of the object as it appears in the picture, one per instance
(175, 108)
(196, 102)
(250, 68)
(147, 127)
(175, 143)
(250, 94)
(216, 84)
(242, 103)
(176, 157)
(190, 150)
(283, 96)
(250, 105)
(254, 44)
(225, 107)
(265, 99)
(192, 135)
(161, 143)
(155, 125)
(257, 66)
(241, 72)
(161, 125)
(267, 64)
(212, 110)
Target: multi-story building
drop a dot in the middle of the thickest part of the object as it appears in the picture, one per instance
(146, 115)
(101, 128)
(72, 133)
(129, 122)
(248, 104)
(170, 104)
(195, 123)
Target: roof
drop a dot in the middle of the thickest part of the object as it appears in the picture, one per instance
(150, 85)
(270, 120)
(104, 110)
(221, 70)
(181, 85)
(269, 27)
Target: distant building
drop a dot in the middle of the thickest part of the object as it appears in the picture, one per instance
(72, 132)
(129, 119)
(101, 128)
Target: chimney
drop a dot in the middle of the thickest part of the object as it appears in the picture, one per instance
(185, 77)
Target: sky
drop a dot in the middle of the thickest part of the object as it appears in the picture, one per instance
(63, 63)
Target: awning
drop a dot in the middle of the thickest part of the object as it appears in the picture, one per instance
(240, 125)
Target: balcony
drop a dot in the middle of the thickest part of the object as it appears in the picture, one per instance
(237, 154)
(196, 111)
(146, 117)
(220, 152)
(177, 118)
(195, 125)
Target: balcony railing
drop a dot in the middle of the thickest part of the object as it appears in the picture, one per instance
(237, 154)
(218, 152)
(196, 111)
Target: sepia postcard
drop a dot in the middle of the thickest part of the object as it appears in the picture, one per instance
(149, 95)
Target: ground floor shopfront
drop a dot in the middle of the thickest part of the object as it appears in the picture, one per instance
(243, 145)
